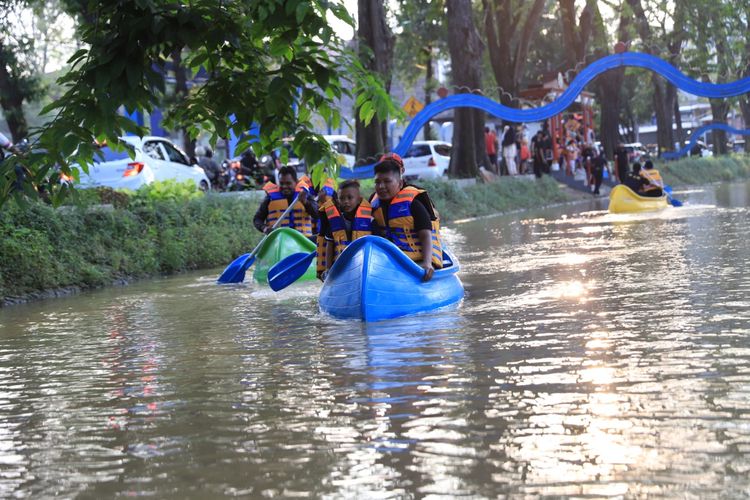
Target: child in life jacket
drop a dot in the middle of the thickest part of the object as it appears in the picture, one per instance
(343, 221)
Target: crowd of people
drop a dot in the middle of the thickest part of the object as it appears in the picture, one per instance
(398, 211)
(512, 153)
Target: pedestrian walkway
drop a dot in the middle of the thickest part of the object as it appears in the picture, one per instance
(580, 185)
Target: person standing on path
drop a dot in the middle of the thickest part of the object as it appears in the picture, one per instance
(538, 154)
(509, 148)
(598, 164)
(490, 145)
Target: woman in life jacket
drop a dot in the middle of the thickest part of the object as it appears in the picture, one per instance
(278, 198)
(406, 216)
(343, 221)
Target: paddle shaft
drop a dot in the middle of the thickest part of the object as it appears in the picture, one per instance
(275, 225)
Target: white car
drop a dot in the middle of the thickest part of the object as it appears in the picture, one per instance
(344, 147)
(427, 160)
(156, 159)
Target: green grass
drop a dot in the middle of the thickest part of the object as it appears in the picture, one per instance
(88, 246)
(697, 171)
(172, 228)
(507, 194)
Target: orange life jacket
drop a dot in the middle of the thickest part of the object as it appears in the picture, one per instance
(400, 228)
(298, 218)
(653, 177)
(361, 225)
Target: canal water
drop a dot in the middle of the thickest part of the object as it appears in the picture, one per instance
(594, 355)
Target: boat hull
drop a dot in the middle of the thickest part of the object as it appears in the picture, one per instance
(373, 280)
(282, 243)
(623, 200)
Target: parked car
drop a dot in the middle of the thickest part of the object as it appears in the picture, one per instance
(156, 159)
(345, 147)
(636, 152)
(427, 160)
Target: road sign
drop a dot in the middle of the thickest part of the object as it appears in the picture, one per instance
(412, 106)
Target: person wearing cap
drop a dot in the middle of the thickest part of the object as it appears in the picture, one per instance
(278, 198)
(405, 215)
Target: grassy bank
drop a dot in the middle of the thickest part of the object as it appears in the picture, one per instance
(698, 171)
(164, 230)
(168, 229)
(85, 246)
(507, 194)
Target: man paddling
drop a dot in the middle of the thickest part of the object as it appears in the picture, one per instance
(405, 215)
(278, 198)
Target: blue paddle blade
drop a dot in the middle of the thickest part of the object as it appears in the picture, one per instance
(675, 202)
(288, 270)
(235, 272)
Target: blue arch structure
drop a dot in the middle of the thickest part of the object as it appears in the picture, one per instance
(636, 59)
(697, 133)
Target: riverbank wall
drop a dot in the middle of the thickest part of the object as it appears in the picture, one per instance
(47, 252)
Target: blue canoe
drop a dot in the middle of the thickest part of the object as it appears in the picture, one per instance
(373, 280)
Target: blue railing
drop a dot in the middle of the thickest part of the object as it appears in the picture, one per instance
(696, 135)
(647, 61)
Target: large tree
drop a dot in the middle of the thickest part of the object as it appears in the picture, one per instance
(376, 53)
(271, 63)
(744, 51)
(712, 56)
(664, 93)
(510, 26)
(587, 34)
(423, 32)
(19, 80)
(466, 72)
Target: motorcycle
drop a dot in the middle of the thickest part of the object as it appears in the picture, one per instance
(247, 172)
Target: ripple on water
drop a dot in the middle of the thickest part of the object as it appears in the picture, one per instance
(593, 356)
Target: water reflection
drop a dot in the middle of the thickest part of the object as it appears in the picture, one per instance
(593, 356)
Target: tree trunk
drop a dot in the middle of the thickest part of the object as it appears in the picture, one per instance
(11, 98)
(608, 90)
(508, 61)
(576, 41)
(745, 108)
(376, 54)
(466, 71)
(608, 86)
(719, 110)
(428, 92)
(680, 134)
(663, 111)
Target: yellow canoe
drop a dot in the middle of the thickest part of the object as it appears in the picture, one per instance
(622, 200)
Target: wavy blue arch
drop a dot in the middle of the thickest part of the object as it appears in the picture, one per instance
(672, 74)
(697, 133)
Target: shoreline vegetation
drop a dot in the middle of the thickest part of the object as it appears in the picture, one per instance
(108, 238)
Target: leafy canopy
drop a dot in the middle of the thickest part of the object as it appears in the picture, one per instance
(269, 62)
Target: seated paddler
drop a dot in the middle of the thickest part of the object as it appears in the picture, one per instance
(654, 185)
(406, 216)
(344, 219)
(304, 214)
(326, 193)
